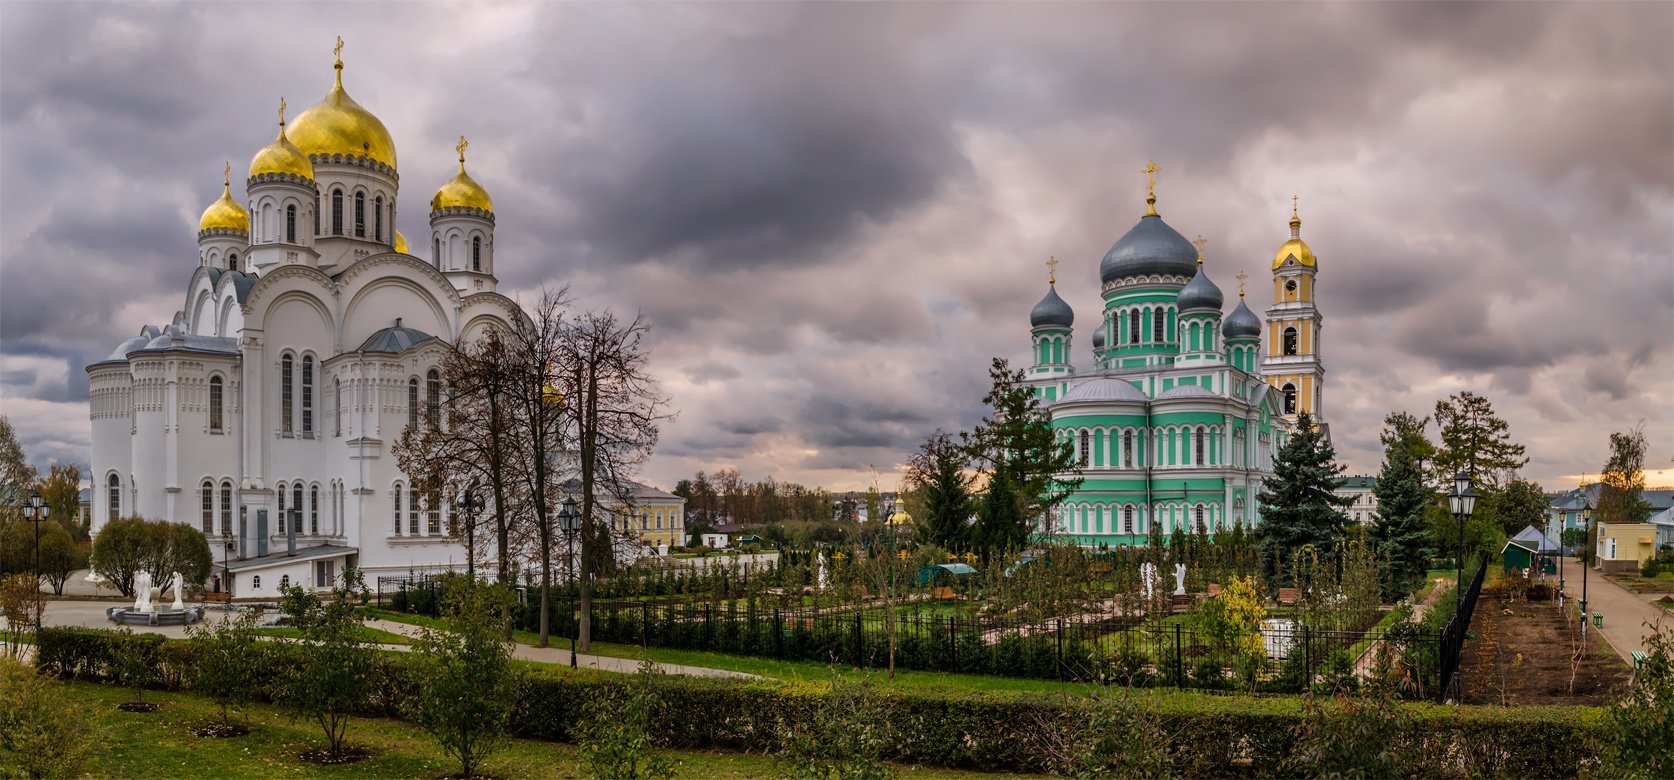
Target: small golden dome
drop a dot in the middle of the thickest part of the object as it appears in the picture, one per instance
(462, 191)
(281, 156)
(225, 213)
(1295, 246)
(900, 516)
(338, 125)
(400, 242)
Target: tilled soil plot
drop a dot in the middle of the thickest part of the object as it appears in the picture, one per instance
(1519, 653)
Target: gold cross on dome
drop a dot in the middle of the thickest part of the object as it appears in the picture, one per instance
(1293, 205)
(460, 147)
(1241, 277)
(1052, 270)
(1200, 242)
(281, 111)
(1150, 171)
(226, 174)
(338, 51)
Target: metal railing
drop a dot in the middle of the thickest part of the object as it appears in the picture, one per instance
(1454, 633)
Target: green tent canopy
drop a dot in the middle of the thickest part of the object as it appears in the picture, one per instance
(933, 572)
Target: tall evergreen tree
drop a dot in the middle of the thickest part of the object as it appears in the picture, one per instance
(1621, 494)
(1001, 525)
(1405, 430)
(1399, 527)
(1475, 441)
(938, 472)
(1018, 442)
(1300, 507)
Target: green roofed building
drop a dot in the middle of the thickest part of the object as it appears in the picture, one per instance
(1178, 422)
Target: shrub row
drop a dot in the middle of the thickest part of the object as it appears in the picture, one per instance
(1218, 736)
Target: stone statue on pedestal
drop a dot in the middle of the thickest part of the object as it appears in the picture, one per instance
(1179, 579)
(142, 591)
(177, 582)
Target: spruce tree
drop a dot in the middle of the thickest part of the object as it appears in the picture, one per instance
(1017, 439)
(938, 471)
(1000, 525)
(1399, 527)
(1298, 506)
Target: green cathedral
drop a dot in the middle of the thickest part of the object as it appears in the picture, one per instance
(1177, 423)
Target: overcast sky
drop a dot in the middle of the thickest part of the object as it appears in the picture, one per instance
(835, 214)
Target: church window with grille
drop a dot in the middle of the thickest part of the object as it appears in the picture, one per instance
(1202, 435)
(1086, 446)
(433, 398)
(378, 218)
(412, 511)
(1127, 449)
(1290, 398)
(1133, 327)
(290, 224)
(1127, 519)
(314, 510)
(360, 215)
(433, 512)
(1198, 519)
(115, 497)
(208, 506)
(296, 508)
(398, 509)
(226, 509)
(1290, 341)
(476, 253)
(308, 396)
(1157, 316)
(286, 377)
(412, 401)
(337, 212)
(216, 396)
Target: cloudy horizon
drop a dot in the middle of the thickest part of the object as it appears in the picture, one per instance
(833, 215)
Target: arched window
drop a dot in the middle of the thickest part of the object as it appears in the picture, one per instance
(436, 252)
(378, 218)
(1290, 341)
(114, 498)
(433, 397)
(286, 369)
(1198, 519)
(216, 396)
(226, 509)
(284, 581)
(207, 504)
(1086, 446)
(1200, 448)
(412, 401)
(256, 582)
(398, 509)
(1133, 326)
(1157, 316)
(308, 396)
(476, 253)
(290, 223)
(1290, 398)
(1127, 449)
(296, 508)
(337, 406)
(317, 210)
(433, 511)
(314, 510)
(412, 511)
(280, 493)
(232, 261)
(337, 212)
(360, 215)
(1127, 519)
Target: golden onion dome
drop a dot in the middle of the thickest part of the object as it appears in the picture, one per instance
(462, 191)
(1295, 247)
(338, 125)
(281, 156)
(400, 243)
(900, 516)
(225, 213)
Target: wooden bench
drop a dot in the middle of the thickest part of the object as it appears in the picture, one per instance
(1287, 595)
(217, 598)
(1214, 590)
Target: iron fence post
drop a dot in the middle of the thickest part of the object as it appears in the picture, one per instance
(778, 635)
(645, 625)
(1060, 630)
(1307, 660)
(1179, 660)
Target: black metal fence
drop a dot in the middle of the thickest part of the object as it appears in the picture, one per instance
(1111, 650)
(1453, 634)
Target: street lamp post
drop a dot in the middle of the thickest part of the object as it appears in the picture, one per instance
(36, 511)
(469, 505)
(1461, 502)
(567, 517)
(1587, 551)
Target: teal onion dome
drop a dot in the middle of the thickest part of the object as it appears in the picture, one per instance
(1200, 294)
(1150, 247)
(1051, 312)
(1241, 324)
(1098, 340)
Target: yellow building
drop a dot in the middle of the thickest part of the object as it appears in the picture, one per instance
(653, 516)
(1293, 364)
(1625, 546)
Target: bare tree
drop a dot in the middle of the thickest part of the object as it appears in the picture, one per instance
(612, 409)
(539, 411)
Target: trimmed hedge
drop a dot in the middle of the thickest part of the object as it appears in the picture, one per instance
(1220, 736)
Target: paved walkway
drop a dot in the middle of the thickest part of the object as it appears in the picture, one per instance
(91, 614)
(1625, 612)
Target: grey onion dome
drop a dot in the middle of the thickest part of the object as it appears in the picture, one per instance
(1051, 311)
(1150, 247)
(1098, 339)
(1200, 294)
(1241, 323)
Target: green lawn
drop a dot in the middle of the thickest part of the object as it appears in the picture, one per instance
(364, 633)
(161, 744)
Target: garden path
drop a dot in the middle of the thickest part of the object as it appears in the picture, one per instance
(1363, 666)
(1625, 612)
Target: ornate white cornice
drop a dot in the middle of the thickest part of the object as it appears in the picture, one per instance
(282, 178)
(355, 160)
(462, 211)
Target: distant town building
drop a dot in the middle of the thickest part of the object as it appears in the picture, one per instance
(1365, 505)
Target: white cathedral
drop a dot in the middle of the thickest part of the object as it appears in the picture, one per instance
(264, 413)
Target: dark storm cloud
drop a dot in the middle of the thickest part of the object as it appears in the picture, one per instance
(834, 214)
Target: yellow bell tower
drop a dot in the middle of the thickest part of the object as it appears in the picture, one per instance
(1293, 364)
